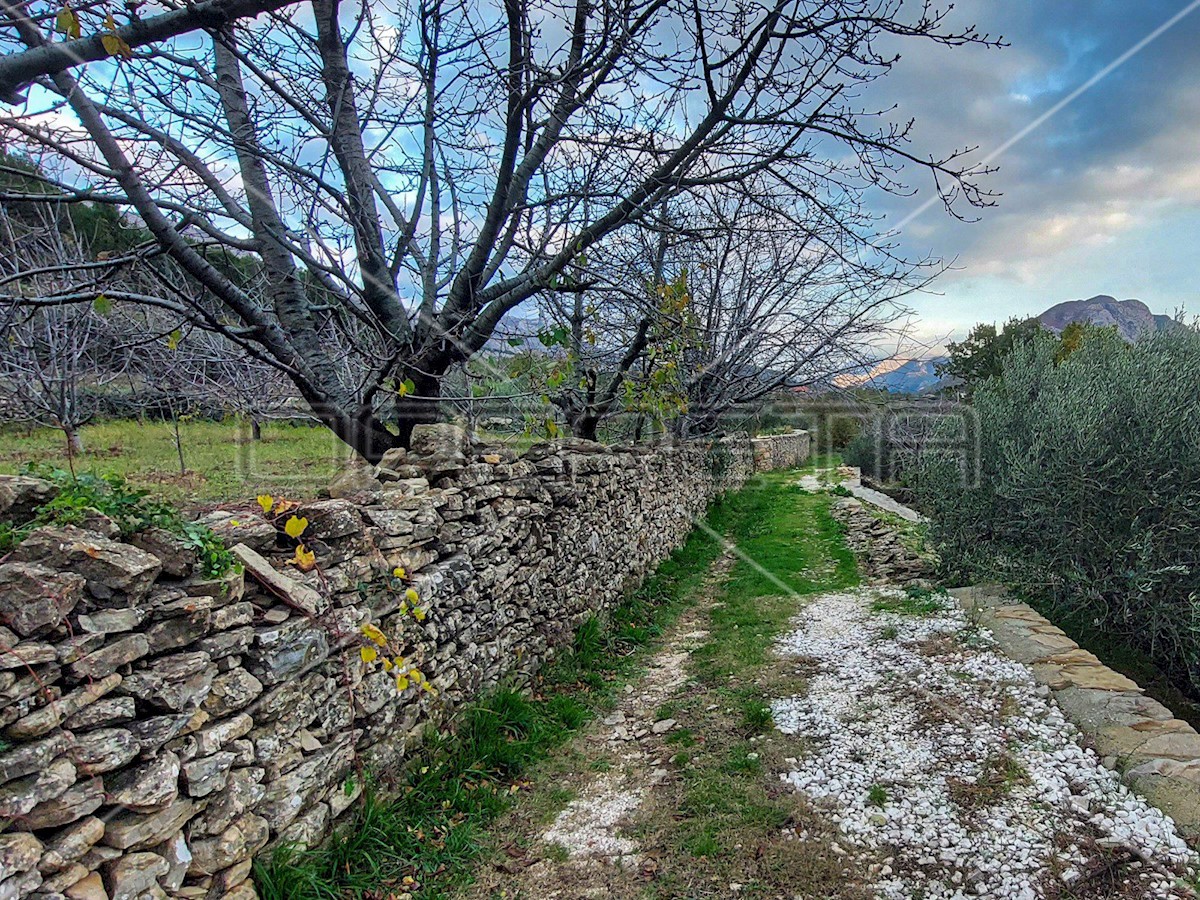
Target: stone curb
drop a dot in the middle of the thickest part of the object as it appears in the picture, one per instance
(1156, 754)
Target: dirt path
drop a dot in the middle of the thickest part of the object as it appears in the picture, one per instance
(591, 848)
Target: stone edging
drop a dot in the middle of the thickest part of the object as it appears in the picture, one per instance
(1157, 754)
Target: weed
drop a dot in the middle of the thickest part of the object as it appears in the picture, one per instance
(889, 633)
(877, 795)
(82, 496)
(915, 601)
(998, 775)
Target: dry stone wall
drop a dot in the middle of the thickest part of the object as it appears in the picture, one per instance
(160, 728)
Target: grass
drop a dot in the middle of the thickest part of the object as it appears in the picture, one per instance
(726, 820)
(424, 832)
(998, 776)
(915, 601)
(222, 462)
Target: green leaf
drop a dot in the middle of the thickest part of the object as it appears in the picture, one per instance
(102, 305)
(173, 339)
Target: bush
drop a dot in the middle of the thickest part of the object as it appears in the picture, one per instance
(79, 496)
(1087, 496)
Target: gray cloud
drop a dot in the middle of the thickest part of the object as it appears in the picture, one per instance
(1113, 172)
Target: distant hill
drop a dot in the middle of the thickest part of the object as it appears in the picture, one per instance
(896, 375)
(1132, 318)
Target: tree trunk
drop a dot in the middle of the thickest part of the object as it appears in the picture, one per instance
(584, 426)
(74, 441)
(255, 429)
(420, 407)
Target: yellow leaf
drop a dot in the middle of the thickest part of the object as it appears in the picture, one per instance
(401, 683)
(114, 45)
(234, 523)
(175, 336)
(369, 655)
(412, 595)
(66, 22)
(373, 634)
(419, 614)
(295, 527)
(266, 501)
(399, 571)
(304, 559)
(403, 608)
(387, 663)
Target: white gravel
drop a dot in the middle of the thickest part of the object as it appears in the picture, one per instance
(916, 707)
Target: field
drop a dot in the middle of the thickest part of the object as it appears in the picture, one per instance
(221, 460)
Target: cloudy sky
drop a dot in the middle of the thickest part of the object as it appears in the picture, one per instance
(1102, 198)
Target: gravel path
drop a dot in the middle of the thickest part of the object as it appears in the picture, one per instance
(928, 746)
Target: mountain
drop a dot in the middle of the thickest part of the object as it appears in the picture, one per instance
(1132, 318)
(896, 375)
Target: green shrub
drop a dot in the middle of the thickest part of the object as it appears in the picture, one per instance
(1086, 496)
(131, 510)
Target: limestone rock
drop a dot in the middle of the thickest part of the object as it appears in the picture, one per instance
(34, 598)
(114, 571)
(231, 691)
(130, 830)
(289, 649)
(177, 682)
(210, 740)
(18, 853)
(20, 796)
(203, 776)
(32, 757)
(26, 654)
(241, 527)
(103, 750)
(243, 792)
(301, 596)
(21, 495)
(146, 787)
(89, 888)
(52, 715)
(111, 657)
(106, 712)
(71, 843)
(180, 631)
(178, 560)
(241, 840)
(80, 800)
(357, 478)
(112, 621)
(131, 876)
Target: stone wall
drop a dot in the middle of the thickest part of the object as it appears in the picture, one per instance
(781, 451)
(161, 728)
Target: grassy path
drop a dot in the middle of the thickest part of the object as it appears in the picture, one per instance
(672, 793)
(693, 646)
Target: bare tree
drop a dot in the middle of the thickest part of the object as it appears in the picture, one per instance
(407, 174)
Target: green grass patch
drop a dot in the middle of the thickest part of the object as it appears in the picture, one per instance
(915, 601)
(424, 832)
(221, 461)
(789, 546)
(877, 795)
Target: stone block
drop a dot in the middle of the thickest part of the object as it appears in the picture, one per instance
(34, 598)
